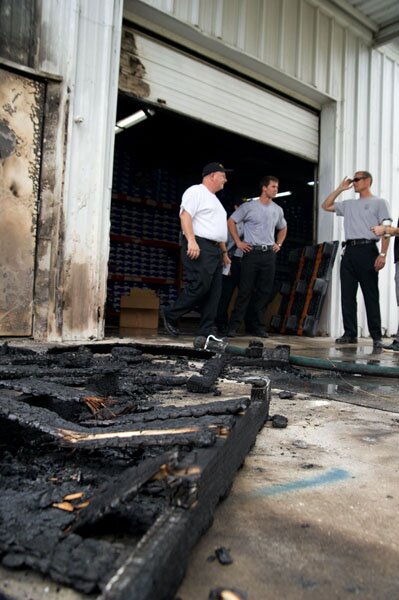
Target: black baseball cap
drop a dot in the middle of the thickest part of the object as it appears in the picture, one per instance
(213, 167)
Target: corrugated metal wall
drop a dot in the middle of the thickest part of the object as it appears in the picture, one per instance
(317, 48)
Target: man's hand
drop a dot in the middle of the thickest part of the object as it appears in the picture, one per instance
(378, 230)
(379, 263)
(345, 184)
(193, 250)
(244, 246)
(328, 203)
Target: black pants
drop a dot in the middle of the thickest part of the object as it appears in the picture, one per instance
(357, 267)
(229, 284)
(256, 286)
(203, 284)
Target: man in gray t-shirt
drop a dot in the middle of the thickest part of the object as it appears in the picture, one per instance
(361, 260)
(260, 219)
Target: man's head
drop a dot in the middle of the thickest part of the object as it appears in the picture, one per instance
(269, 185)
(214, 167)
(214, 176)
(362, 179)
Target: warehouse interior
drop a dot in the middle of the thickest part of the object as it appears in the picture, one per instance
(154, 162)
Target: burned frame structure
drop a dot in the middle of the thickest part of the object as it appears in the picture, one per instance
(112, 466)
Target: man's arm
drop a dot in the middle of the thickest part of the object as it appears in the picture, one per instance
(328, 203)
(186, 222)
(384, 232)
(281, 235)
(234, 234)
(385, 229)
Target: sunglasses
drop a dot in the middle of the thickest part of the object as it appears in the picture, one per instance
(358, 178)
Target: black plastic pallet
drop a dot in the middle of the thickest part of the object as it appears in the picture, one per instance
(304, 293)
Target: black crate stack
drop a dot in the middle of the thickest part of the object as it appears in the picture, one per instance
(145, 226)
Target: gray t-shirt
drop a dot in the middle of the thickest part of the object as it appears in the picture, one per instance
(260, 221)
(360, 214)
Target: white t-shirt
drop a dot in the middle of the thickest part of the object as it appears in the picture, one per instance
(208, 215)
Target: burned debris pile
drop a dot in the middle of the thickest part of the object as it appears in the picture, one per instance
(113, 459)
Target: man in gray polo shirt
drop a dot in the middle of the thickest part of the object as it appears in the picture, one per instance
(361, 260)
(260, 218)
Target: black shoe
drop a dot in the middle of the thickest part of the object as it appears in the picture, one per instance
(394, 347)
(260, 332)
(377, 344)
(170, 327)
(222, 330)
(346, 339)
(231, 333)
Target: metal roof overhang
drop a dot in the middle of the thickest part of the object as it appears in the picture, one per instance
(381, 16)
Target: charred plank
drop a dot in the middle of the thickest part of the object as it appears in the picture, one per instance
(211, 370)
(121, 489)
(228, 407)
(45, 421)
(169, 541)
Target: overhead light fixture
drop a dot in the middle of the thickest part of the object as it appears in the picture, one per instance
(310, 183)
(283, 194)
(133, 119)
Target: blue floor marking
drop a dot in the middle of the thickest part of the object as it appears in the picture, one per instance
(330, 477)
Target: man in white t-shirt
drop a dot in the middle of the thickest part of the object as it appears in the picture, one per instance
(203, 251)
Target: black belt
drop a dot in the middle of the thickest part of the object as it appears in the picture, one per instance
(358, 242)
(206, 240)
(262, 248)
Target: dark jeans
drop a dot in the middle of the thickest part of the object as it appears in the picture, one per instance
(357, 268)
(203, 284)
(256, 286)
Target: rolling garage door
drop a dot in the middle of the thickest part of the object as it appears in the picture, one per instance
(196, 89)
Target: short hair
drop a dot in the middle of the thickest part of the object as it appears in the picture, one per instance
(366, 174)
(266, 180)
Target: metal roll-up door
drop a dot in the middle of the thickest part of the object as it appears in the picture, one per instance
(197, 89)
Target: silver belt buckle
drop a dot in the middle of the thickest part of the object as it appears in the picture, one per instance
(264, 248)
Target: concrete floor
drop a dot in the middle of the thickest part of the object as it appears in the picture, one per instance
(313, 513)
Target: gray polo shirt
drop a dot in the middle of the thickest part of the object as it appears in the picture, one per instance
(260, 221)
(360, 214)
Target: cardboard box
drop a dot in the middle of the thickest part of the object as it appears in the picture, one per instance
(139, 311)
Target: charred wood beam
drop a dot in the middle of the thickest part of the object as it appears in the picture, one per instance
(121, 489)
(151, 349)
(22, 371)
(157, 565)
(37, 387)
(227, 407)
(209, 373)
(45, 421)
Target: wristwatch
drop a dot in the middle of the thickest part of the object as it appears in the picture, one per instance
(383, 254)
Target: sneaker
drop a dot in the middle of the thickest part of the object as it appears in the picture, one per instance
(170, 327)
(377, 344)
(394, 347)
(346, 339)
